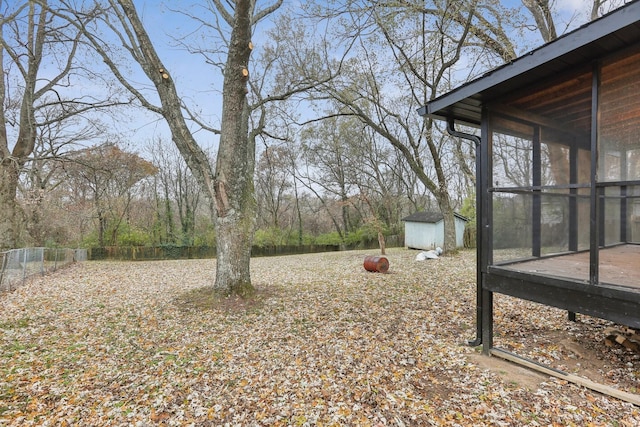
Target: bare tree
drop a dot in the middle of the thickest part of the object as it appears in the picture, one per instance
(230, 187)
(273, 183)
(163, 184)
(106, 177)
(602, 7)
(177, 193)
(379, 177)
(408, 53)
(542, 14)
(34, 94)
(326, 146)
(224, 188)
(56, 141)
(547, 21)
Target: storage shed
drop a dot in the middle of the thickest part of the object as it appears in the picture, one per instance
(562, 231)
(425, 230)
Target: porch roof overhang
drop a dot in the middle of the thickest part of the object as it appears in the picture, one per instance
(594, 40)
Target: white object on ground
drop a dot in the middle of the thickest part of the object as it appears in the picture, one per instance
(428, 255)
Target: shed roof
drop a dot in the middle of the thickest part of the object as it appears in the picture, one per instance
(429, 217)
(594, 40)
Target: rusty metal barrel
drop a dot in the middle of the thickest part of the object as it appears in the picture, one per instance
(376, 264)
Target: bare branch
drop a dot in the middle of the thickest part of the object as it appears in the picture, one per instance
(222, 10)
(261, 14)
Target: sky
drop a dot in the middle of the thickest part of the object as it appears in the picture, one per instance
(199, 84)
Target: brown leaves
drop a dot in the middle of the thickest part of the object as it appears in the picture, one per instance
(323, 343)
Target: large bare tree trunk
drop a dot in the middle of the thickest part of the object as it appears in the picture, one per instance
(449, 219)
(230, 188)
(12, 161)
(8, 207)
(235, 203)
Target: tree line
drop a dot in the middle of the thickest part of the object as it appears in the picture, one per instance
(305, 193)
(315, 122)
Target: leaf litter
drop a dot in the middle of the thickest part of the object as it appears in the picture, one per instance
(323, 342)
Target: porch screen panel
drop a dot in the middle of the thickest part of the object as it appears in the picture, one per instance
(554, 223)
(555, 178)
(541, 182)
(633, 214)
(619, 147)
(512, 176)
(612, 202)
(619, 118)
(512, 226)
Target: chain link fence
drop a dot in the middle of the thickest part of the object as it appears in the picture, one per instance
(17, 265)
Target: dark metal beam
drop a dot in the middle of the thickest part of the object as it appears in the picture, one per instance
(485, 225)
(594, 214)
(451, 129)
(536, 205)
(603, 301)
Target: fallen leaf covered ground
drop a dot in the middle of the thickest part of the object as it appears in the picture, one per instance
(324, 342)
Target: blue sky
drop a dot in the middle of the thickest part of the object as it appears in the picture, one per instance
(200, 84)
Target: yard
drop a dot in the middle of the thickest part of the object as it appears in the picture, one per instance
(323, 343)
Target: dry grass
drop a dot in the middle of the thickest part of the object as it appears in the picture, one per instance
(323, 342)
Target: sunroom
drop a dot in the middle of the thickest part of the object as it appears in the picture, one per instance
(558, 172)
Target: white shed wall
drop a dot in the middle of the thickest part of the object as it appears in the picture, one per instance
(460, 224)
(426, 236)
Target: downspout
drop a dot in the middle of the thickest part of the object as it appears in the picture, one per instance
(477, 141)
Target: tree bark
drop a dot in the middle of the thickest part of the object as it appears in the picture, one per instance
(449, 220)
(9, 211)
(235, 202)
(382, 243)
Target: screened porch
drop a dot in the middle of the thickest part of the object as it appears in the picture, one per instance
(558, 172)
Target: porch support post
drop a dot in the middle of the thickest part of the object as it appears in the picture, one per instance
(595, 229)
(485, 223)
(573, 206)
(487, 321)
(478, 164)
(536, 203)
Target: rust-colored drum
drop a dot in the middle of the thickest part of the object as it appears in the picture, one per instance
(376, 264)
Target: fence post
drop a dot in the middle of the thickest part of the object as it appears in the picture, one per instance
(24, 265)
(42, 252)
(3, 266)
